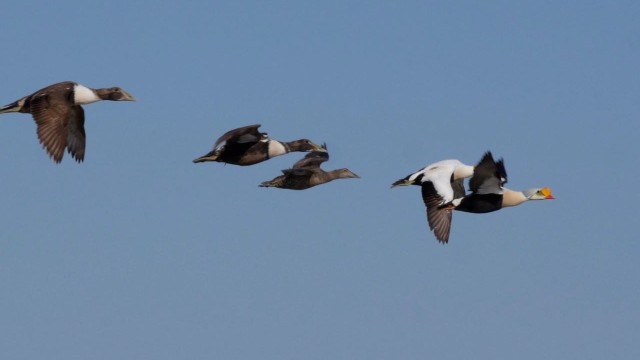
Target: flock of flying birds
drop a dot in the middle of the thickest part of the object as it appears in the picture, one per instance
(247, 146)
(59, 118)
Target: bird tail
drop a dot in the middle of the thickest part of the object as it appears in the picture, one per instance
(277, 182)
(211, 156)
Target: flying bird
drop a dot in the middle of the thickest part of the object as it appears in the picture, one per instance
(307, 173)
(59, 115)
(247, 146)
(441, 183)
(486, 185)
(488, 193)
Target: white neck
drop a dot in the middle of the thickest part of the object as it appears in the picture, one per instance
(276, 148)
(84, 95)
(512, 198)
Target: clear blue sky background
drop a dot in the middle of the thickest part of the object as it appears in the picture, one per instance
(140, 254)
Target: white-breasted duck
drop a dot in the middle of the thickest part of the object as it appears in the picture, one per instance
(488, 193)
(441, 183)
(247, 146)
(59, 115)
(306, 173)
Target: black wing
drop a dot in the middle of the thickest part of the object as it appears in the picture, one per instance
(488, 176)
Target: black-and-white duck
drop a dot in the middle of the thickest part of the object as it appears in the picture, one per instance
(488, 192)
(247, 146)
(59, 115)
(441, 183)
(306, 173)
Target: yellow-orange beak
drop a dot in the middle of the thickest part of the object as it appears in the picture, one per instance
(547, 193)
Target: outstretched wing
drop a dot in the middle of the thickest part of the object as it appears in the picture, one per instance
(244, 134)
(313, 159)
(440, 177)
(438, 217)
(488, 176)
(76, 136)
(52, 113)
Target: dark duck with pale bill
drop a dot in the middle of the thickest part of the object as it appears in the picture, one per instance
(306, 173)
(247, 146)
(59, 115)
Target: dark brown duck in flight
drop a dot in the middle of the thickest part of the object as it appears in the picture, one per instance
(59, 116)
(247, 146)
(307, 173)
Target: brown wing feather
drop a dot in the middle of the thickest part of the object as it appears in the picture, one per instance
(62, 90)
(299, 172)
(439, 218)
(51, 116)
(76, 137)
(233, 135)
(312, 160)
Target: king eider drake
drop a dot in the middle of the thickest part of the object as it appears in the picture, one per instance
(59, 116)
(488, 192)
(247, 146)
(307, 173)
(441, 183)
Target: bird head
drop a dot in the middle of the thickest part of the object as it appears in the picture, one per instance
(539, 194)
(346, 173)
(305, 145)
(115, 94)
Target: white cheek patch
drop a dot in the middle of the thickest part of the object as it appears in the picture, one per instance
(276, 148)
(84, 95)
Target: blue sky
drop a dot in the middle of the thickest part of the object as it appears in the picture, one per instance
(140, 254)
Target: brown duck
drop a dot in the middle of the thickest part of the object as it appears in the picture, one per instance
(307, 173)
(247, 146)
(59, 116)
